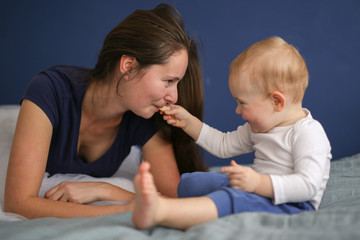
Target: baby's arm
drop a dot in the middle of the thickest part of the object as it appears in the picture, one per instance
(246, 179)
(179, 117)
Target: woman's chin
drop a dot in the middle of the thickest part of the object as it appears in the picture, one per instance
(147, 114)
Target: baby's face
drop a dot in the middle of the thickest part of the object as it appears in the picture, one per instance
(254, 108)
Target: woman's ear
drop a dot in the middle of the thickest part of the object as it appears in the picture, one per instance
(126, 63)
(278, 100)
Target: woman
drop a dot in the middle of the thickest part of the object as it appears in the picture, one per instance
(74, 120)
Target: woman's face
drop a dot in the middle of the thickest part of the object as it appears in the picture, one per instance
(157, 86)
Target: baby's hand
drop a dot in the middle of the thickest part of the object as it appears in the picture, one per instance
(243, 178)
(176, 116)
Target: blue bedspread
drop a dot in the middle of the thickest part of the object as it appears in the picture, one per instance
(337, 218)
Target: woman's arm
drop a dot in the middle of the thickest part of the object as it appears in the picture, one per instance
(88, 192)
(156, 150)
(26, 169)
(160, 155)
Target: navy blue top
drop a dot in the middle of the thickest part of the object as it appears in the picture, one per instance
(59, 92)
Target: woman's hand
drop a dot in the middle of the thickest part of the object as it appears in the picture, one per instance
(76, 192)
(87, 192)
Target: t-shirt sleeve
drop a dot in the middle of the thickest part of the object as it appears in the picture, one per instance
(42, 91)
(225, 145)
(311, 156)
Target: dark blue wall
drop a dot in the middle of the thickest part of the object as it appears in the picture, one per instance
(38, 34)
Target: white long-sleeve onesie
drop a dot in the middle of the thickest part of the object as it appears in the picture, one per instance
(297, 158)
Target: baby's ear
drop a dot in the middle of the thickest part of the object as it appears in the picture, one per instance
(278, 100)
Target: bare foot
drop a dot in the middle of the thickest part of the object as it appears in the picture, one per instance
(147, 198)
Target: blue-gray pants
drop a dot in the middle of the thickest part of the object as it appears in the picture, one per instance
(229, 200)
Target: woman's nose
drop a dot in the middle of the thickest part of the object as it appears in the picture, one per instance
(172, 95)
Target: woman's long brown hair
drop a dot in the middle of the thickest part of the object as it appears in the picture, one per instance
(152, 36)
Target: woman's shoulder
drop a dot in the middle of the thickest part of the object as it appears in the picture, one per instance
(57, 88)
(59, 73)
(61, 80)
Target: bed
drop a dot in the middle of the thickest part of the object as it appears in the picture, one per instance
(337, 218)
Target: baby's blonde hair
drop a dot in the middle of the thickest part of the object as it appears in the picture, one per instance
(274, 65)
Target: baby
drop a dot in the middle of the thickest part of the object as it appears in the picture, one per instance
(292, 152)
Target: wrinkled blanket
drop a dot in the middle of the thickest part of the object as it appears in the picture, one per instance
(337, 218)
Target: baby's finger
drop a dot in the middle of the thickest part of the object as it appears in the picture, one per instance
(171, 121)
(167, 117)
(174, 109)
(225, 169)
(234, 183)
(233, 163)
(232, 169)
